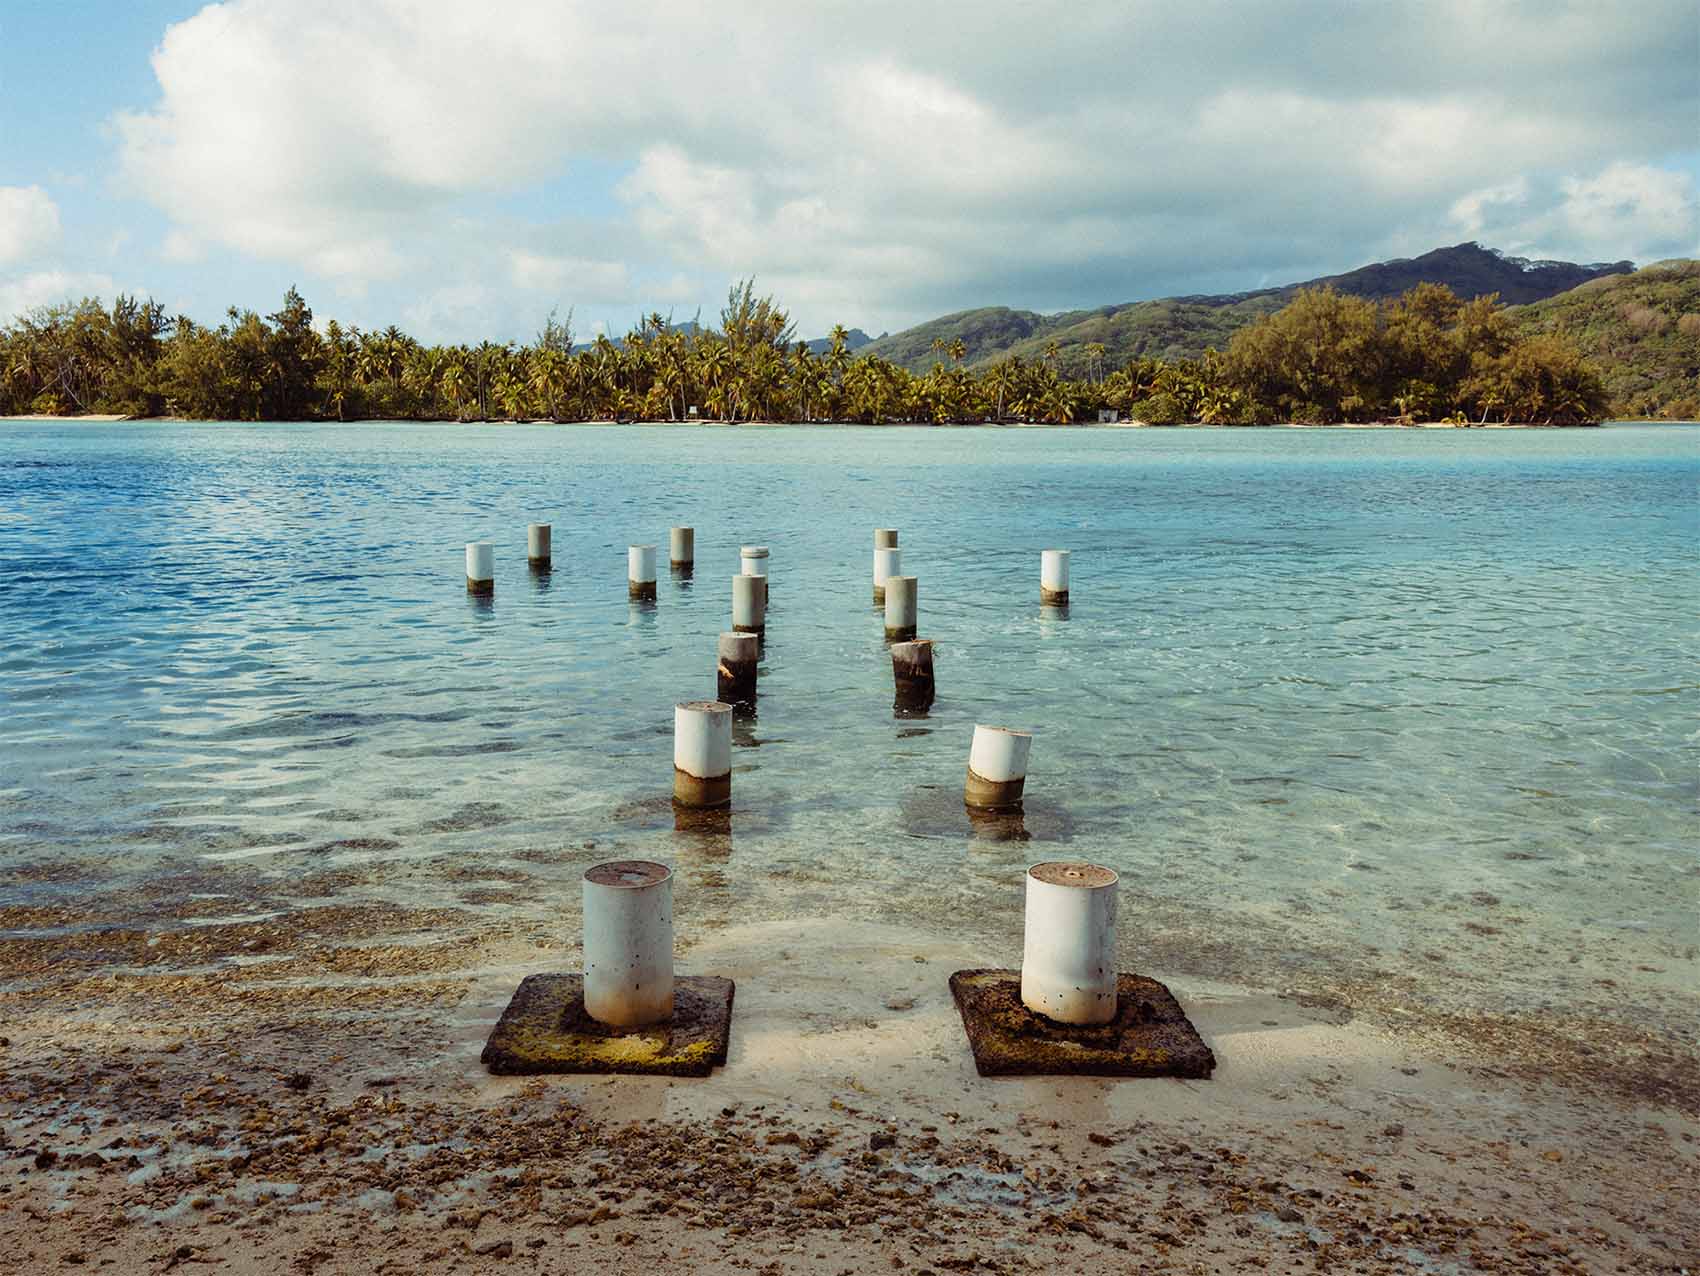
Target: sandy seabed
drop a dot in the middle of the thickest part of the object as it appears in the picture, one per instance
(297, 1089)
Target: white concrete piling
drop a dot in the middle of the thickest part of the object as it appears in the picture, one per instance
(480, 568)
(888, 562)
(640, 571)
(1068, 960)
(997, 768)
(628, 943)
(682, 547)
(735, 670)
(754, 563)
(702, 753)
(539, 547)
(900, 599)
(1053, 577)
(749, 604)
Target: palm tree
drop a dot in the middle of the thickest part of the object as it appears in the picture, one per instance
(1094, 360)
(1005, 377)
(456, 384)
(802, 377)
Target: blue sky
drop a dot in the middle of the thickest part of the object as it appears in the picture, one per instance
(460, 170)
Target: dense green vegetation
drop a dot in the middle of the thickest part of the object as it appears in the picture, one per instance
(1324, 357)
(1185, 327)
(1641, 331)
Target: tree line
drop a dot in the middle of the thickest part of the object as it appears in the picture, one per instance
(1325, 358)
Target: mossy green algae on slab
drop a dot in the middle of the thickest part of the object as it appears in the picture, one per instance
(1149, 1037)
(545, 1029)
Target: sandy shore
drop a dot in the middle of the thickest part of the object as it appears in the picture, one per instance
(298, 1088)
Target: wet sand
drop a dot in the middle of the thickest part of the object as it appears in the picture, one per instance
(299, 1089)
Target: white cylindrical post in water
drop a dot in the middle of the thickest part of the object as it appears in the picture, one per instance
(1053, 577)
(997, 768)
(640, 571)
(702, 753)
(682, 547)
(1068, 962)
(900, 596)
(749, 604)
(480, 568)
(754, 558)
(888, 562)
(539, 550)
(735, 670)
(628, 943)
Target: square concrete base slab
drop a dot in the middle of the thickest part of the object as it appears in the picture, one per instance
(1149, 1037)
(545, 1029)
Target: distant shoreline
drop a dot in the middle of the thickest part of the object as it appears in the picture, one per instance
(118, 419)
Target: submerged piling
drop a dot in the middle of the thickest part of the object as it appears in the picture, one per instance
(628, 943)
(1068, 958)
(480, 568)
(900, 598)
(735, 670)
(702, 753)
(1053, 577)
(640, 571)
(997, 768)
(888, 562)
(912, 671)
(539, 548)
(682, 548)
(749, 604)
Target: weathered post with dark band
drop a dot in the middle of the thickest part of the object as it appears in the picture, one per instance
(736, 668)
(1053, 578)
(640, 572)
(997, 768)
(480, 568)
(539, 549)
(682, 548)
(749, 604)
(912, 670)
(900, 596)
(702, 753)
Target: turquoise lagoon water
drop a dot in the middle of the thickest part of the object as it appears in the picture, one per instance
(1344, 707)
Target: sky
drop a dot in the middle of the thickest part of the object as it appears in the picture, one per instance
(462, 169)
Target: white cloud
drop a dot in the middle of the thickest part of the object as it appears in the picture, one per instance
(541, 272)
(878, 163)
(181, 247)
(1633, 203)
(29, 224)
(1624, 210)
(20, 295)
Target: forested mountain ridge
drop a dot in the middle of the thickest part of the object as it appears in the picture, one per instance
(1641, 333)
(1184, 327)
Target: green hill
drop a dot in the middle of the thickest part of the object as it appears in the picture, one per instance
(1641, 332)
(1184, 327)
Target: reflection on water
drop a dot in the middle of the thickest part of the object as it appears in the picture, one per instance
(1333, 702)
(998, 826)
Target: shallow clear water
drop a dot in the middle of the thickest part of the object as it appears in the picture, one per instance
(1337, 703)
